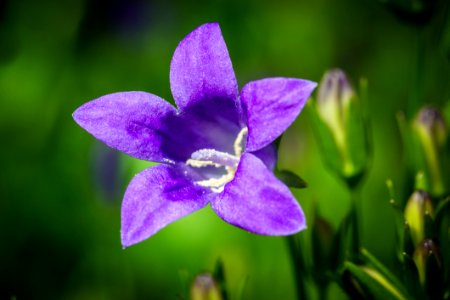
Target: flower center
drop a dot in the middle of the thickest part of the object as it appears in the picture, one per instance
(228, 163)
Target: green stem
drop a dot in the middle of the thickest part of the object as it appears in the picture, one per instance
(299, 266)
(355, 221)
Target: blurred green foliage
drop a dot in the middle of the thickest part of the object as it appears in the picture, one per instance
(60, 217)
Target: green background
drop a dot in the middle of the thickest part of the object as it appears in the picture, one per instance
(61, 190)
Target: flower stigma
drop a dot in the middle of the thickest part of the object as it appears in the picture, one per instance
(218, 159)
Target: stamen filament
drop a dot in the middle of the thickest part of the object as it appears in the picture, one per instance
(238, 142)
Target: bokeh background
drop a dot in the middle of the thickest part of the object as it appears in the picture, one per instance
(61, 190)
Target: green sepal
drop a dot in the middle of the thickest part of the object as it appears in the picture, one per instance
(358, 141)
(327, 145)
(291, 179)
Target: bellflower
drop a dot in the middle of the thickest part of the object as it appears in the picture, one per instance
(215, 147)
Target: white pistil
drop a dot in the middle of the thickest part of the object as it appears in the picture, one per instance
(213, 158)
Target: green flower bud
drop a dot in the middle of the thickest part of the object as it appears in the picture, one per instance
(417, 208)
(333, 100)
(205, 287)
(431, 134)
(340, 126)
(429, 262)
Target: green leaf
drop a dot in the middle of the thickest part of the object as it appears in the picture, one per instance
(374, 283)
(291, 179)
(377, 265)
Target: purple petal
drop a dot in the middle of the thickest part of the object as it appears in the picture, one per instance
(201, 68)
(204, 125)
(258, 202)
(268, 155)
(155, 198)
(272, 105)
(131, 122)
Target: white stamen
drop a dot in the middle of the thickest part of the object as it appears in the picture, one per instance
(238, 148)
(211, 157)
(220, 158)
(217, 184)
(201, 163)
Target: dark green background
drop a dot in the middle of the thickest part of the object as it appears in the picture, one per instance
(60, 201)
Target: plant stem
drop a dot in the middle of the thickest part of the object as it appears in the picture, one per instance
(299, 266)
(355, 221)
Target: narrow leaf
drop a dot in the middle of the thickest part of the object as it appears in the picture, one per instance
(375, 284)
(291, 179)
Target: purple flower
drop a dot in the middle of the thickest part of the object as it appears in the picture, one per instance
(215, 147)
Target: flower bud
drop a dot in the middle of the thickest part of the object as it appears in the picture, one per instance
(205, 287)
(340, 124)
(418, 207)
(429, 262)
(431, 135)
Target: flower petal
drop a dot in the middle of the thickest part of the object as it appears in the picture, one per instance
(155, 198)
(131, 122)
(268, 155)
(258, 202)
(271, 105)
(204, 125)
(201, 68)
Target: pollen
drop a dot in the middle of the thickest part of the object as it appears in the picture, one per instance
(218, 159)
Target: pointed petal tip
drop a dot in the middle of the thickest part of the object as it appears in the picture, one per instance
(272, 105)
(201, 68)
(127, 242)
(209, 25)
